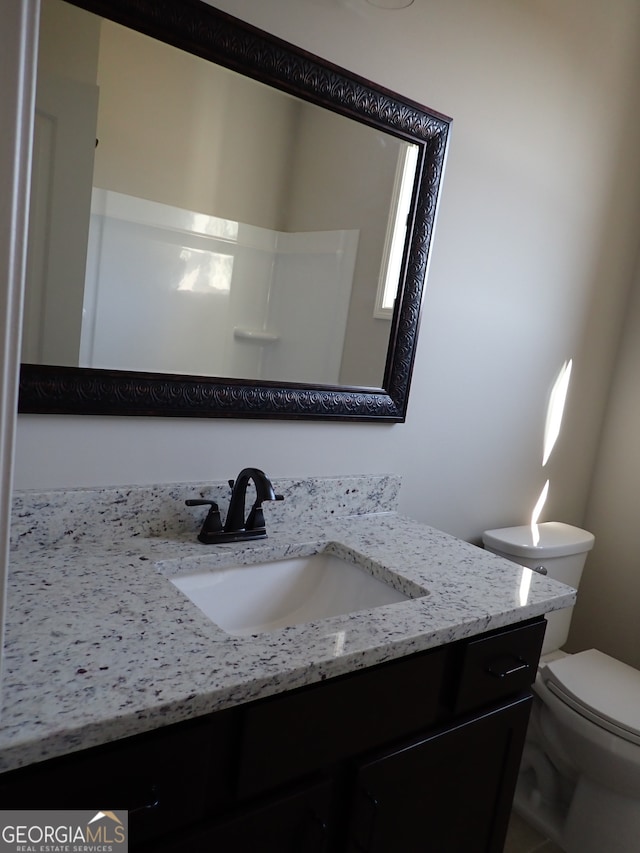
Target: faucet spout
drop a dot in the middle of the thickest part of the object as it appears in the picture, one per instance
(235, 527)
(264, 492)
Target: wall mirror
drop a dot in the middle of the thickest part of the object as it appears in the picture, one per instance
(221, 224)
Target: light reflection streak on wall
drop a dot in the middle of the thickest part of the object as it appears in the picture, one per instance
(553, 424)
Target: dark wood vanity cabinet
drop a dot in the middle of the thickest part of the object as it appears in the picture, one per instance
(418, 754)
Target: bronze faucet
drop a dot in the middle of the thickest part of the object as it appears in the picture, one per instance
(236, 528)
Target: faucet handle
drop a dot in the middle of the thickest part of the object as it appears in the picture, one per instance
(255, 519)
(201, 502)
(212, 523)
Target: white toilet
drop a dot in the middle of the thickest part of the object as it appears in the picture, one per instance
(579, 781)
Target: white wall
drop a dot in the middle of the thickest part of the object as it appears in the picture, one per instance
(336, 157)
(607, 612)
(533, 256)
(234, 169)
(68, 41)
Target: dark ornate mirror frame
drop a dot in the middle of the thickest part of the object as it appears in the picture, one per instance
(200, 29)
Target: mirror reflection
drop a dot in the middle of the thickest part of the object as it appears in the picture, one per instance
(189, 220)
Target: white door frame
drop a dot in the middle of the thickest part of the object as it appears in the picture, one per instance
(18, 46)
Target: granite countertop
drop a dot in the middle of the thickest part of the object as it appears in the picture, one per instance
(101, 645)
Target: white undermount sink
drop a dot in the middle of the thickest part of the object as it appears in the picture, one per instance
(268, 596)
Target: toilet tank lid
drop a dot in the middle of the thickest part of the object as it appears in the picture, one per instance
(556, 539)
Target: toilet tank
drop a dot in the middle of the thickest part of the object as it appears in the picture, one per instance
(560, 550)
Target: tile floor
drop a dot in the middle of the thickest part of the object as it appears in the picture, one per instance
(522, 838)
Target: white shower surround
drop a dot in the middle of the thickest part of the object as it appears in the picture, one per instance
(256, 302)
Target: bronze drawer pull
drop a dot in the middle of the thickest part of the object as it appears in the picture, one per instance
(502, 669)
(154, 802)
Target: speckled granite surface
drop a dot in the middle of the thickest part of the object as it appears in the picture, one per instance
(100, 645)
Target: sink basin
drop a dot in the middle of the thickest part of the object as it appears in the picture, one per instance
(251, 599)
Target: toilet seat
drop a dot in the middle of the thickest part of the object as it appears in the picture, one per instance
(599, 688)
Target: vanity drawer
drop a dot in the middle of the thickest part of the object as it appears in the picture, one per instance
(165, 779)
(499, 665)
(292, 735)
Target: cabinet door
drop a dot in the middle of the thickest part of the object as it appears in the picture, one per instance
(298, 822)
(450, 792)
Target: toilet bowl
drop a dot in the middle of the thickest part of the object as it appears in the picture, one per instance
(579, 780)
